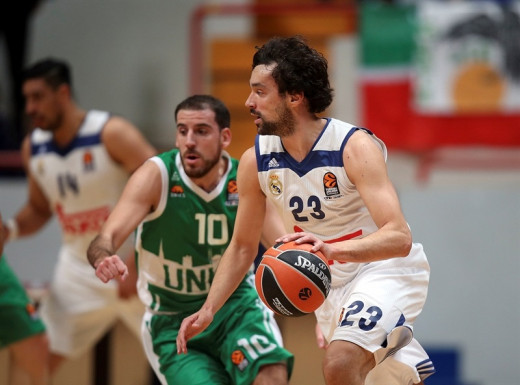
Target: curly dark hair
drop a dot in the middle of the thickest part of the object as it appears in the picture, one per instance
(299, 68)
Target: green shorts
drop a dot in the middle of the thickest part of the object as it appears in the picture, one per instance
(242, 337)
(18, 317)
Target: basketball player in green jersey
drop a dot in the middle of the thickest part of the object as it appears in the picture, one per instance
(22, 332)
(183, 203)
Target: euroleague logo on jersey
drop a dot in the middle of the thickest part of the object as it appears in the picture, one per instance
(88, 161)
(330, 184)
(239, 359)
(232, 193)
(177, 191)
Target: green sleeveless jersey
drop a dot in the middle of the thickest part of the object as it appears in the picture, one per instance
(180, 244)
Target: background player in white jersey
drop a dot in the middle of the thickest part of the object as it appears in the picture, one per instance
(77, 163)
(185, 202)
(21, 330)
(333, 191)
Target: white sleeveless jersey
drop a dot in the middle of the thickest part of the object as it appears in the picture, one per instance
(316, 195)
(81, 181)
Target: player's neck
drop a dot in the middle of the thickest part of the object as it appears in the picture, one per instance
(300, 143)
(211, 180)
(72, 121)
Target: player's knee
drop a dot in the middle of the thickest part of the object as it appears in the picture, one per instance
(33, 348)
(272, 374)
(347, 361)
(31, 355)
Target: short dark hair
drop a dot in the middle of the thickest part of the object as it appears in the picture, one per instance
(203, 102)
(55, 72)
(299, 68)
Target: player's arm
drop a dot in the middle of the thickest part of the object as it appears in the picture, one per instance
(239, 255)
(36, 212)
(140, 197)
(128, 288)
(366, 168)
(128, 147)
(273, 225)
(125, 143)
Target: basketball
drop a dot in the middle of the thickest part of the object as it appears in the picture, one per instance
(291, 280)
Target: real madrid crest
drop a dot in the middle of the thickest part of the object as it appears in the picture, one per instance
(275, 186)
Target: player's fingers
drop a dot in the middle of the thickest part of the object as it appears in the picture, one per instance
(101, 275)
(289, 237)
(185, 334)
(311, 240)
(317, 246)
(181, 340)
(123, 273)
(121, 269)
(111, 267)
(114, 267)
(108, 269)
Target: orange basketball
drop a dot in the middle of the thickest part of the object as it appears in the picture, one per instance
(291, 280)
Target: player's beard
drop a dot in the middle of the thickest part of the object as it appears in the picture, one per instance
(50, 124)
(284, 126)
(199, 172)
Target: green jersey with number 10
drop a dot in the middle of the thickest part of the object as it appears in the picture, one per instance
(180, 244)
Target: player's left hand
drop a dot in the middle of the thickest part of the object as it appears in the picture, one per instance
(191, 326)
(111, 267)
(301, 237)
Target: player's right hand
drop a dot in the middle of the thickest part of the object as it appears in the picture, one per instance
(111, 267)
(191, 326)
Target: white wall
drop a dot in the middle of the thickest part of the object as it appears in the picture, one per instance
(470, 232)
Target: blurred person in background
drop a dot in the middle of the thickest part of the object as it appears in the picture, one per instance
(77, 163)
(21, 330)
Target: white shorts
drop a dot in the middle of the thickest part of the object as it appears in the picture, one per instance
(382, 297)
(79, 309)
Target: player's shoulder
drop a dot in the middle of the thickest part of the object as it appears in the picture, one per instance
(248, 156)
(116, 128)
(361, 139)
(117, 124)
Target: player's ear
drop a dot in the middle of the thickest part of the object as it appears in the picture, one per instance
(64, 92)
(295, 98)
(225, 137)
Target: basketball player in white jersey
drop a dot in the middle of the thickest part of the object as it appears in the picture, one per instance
(77, 164)
(329, 182)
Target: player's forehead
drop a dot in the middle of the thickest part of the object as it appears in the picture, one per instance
(35, 86)
(262, 76)
(190, 117)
